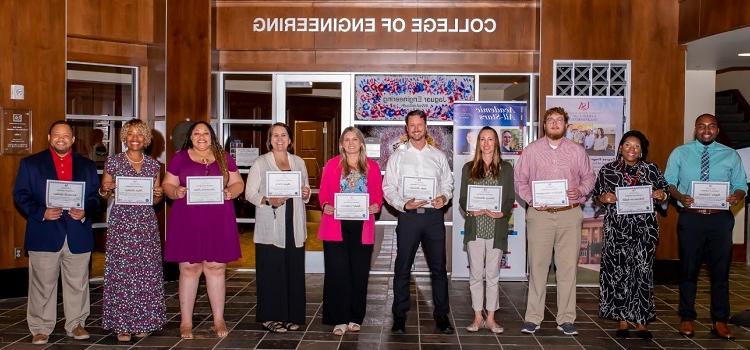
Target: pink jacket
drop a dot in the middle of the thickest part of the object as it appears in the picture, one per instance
(330, 228)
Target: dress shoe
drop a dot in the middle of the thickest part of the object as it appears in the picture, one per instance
(39, 339)
(622, 333)
(79, 333)
(443, 325)
(687, 329)
(721, 330)
(644, 334)
(399, 325)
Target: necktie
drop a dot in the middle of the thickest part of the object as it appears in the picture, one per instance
(704, 164)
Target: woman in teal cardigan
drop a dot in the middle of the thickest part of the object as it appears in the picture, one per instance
(485, 231)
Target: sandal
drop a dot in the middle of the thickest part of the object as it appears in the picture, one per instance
(220, 329)
(186, 332)
(123, 337)
(274, 327)
(291, 326)
(339, 330)
(354, 327)
(141, 335)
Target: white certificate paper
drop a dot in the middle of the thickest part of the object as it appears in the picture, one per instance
(634, 200)
(246, 156)
(484, 197)
(205, 190)
(710, 194)
(285, 184)
(419, 188)
(550, 193)
(65, 194)
(134, 191)
(351, 206)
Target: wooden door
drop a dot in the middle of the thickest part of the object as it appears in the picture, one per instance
(310, 145)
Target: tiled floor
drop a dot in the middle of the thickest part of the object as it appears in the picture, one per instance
(595, 333)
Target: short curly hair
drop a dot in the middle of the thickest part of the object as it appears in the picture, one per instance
(138, 125)
(555, 110)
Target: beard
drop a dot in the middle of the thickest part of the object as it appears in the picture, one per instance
(555, 136)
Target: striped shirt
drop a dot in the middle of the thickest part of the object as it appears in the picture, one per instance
(539, 161)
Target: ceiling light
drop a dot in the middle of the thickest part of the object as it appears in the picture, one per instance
(744, 54)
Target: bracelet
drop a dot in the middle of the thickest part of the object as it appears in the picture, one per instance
(100, 192)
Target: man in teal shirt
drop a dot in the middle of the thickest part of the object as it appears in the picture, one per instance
(705, 231)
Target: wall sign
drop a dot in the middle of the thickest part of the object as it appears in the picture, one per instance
(15, 137)
(372, 25)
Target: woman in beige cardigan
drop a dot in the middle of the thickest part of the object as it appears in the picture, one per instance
(279, 237)
(486, 231)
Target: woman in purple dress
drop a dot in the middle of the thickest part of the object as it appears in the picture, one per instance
(202, 238)
(133, 282)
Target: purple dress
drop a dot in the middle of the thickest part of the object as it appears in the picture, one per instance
(133, 284)
(197, 233)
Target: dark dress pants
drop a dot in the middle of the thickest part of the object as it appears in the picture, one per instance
(708, 236)
(347, 271)
(429, 230)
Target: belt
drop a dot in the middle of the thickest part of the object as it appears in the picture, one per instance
(422, 210)
(703, 211)
(557, 209)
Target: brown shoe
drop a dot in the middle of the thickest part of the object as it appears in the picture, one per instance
(687, 329)
(721, 330)
(79, 333)
(39, 339)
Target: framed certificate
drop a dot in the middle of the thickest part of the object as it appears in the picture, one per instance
(285, 184)
(205, 190)
(419, 188)
(484, 197)
(65, 194)
(550, 193)
(634, 200)
(246, 156)
(710, 194)
(351, 206)
(134, 190)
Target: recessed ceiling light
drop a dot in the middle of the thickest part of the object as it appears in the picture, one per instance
(744, 54)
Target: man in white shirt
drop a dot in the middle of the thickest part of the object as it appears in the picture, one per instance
(420, 220)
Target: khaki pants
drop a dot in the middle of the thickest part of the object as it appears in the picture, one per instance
(484, 264)
(561, 232)
(44, 269)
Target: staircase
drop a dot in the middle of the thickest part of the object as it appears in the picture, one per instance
(733, 113)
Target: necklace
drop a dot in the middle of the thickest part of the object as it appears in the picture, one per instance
(134, 162)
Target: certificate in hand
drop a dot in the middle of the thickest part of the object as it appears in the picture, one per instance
(65, 194)
(285, 184)
(710, 194)
(634, 200)
(550, 193)
(205, 190)
(351, 206)
(484, 197)
(134, 191)
(419, 188)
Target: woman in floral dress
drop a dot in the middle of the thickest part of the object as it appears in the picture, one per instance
(133, 280)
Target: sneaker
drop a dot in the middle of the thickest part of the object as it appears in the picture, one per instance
(79, 333)
(529, 327)
(39, 339)
(568, 328)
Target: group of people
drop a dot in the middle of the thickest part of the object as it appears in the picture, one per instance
(204, 238)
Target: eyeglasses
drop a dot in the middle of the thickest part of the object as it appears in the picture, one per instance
(554, 121)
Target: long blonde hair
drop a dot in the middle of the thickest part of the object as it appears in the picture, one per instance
(480, 170)
(361, 159)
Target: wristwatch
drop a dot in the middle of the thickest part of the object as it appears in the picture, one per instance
(267, 202)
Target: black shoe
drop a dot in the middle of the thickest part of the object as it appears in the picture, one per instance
(644, 334)
(443, 325)
(399, 325)
(622, 333)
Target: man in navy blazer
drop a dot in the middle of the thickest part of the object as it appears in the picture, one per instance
(58, 241)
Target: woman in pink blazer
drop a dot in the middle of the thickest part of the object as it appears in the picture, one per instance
(347, 244)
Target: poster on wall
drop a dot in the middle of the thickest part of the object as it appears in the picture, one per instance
(509, 120)
(597, 124)
(387, 97)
